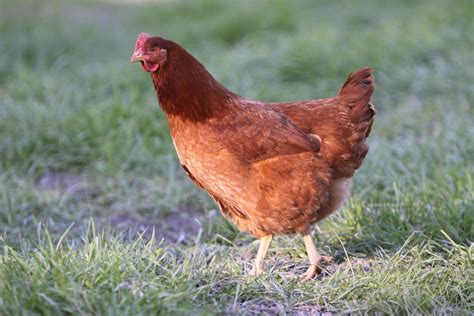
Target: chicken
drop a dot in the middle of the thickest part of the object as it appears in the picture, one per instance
(272, 168)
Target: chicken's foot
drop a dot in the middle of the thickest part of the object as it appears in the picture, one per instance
(257, 268)
(314, 258)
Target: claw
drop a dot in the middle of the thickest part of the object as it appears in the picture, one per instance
(314, 258)
(310, 273)
(314, 269)
(255, 271)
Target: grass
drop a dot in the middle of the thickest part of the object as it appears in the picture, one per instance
(96, 216)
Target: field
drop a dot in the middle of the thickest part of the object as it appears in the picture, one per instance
(97, 218)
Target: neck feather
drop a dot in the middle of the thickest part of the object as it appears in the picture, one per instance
(186, 89)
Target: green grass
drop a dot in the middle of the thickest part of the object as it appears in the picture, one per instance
(96, 217)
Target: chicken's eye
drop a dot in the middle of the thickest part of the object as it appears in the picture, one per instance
(153, 49)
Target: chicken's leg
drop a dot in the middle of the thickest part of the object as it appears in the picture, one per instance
(257, 268)
(314, 257)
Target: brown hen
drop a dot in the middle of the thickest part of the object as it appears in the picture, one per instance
(272, 168)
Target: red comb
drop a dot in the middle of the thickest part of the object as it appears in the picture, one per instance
(141, 39)
(138, 51)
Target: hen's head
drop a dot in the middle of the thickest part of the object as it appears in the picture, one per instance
(184, 87)
(150, 52)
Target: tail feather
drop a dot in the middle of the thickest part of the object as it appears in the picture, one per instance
(355, 95)
(358, 88)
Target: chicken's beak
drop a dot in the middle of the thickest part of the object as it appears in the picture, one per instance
(136, 56)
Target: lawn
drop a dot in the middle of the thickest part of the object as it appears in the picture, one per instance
(97, 218)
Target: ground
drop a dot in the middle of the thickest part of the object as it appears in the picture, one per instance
(96, 217)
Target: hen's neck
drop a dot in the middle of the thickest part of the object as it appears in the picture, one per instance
(186, 89)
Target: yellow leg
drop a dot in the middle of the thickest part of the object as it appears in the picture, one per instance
(257, 268)
(314, 257)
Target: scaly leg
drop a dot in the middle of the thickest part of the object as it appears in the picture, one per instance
(257, 268)
(314, 257)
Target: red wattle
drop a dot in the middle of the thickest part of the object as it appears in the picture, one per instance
(148, 66)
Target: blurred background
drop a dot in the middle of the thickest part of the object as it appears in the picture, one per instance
(82, 140)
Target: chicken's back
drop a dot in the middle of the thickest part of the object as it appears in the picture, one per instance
(343, 123)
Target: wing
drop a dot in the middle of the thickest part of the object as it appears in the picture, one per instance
(254, 133)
